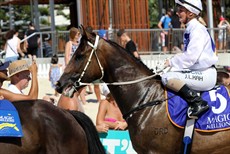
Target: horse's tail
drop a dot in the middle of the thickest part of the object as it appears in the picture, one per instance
(94, 143)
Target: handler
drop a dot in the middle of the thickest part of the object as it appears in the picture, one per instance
(193, 70)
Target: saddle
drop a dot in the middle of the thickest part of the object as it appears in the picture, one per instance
(217, 118)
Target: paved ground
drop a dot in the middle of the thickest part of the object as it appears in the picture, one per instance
(90, 108)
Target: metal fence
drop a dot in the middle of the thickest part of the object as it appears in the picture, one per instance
(148, 41)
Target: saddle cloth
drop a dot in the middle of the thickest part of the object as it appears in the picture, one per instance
(217, 118)
(10, 125)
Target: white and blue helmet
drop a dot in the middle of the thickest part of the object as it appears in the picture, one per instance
(194, 6)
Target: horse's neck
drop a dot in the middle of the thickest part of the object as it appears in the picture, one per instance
(131, 95)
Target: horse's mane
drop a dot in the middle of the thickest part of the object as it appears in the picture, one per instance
(124, 50)
(114, 44)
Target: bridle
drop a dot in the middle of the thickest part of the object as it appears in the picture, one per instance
(93, 51)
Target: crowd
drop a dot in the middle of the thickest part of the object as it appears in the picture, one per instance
(20, 72)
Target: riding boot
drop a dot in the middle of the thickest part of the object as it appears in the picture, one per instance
(197, 104)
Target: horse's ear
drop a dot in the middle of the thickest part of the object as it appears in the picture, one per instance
(82, 31)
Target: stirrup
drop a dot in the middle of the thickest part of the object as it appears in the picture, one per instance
(202, 111)
(189, 112)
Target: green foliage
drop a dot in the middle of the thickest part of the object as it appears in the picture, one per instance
(44, 22)
(44, 11)
(22, 12)
(3, 15)
(153, 13)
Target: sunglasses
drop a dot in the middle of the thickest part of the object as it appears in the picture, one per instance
(185, 2)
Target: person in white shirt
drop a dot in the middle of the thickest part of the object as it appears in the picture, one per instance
(12, 46)
(193, 70)
(19, 75)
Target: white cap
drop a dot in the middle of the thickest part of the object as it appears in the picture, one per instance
(104, 89)
(194, 6)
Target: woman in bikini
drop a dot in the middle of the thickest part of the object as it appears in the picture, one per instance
(109, 115)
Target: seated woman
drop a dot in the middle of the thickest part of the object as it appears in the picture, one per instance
(109, 115)
(6, 94)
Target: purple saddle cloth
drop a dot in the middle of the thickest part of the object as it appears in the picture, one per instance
(217, 118)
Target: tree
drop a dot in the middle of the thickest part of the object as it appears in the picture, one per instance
(153, 13)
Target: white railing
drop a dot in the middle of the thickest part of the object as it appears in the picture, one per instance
(149, 60)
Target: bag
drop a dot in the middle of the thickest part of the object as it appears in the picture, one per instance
(19, 55)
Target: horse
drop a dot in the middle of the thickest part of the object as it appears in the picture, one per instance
(48, 129)
(133, 85)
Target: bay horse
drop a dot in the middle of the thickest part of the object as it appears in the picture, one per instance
(133, 85)
(48, 129)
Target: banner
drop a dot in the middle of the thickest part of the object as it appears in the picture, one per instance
(117, 142)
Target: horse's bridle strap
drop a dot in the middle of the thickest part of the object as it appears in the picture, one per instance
(93, 51)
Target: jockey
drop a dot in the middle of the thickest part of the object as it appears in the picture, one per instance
(193, 70)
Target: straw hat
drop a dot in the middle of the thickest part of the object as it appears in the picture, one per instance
(18, 66)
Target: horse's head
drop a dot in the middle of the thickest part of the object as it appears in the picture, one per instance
(84, 66)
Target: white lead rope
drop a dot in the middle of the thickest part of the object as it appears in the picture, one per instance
(126, 82)
(94, 48)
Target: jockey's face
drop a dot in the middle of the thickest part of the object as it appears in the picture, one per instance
(184, 15)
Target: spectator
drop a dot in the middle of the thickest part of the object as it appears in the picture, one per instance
(224, 27)
(223, 78)
(102, 33)
(54, 73)
(47, 49)
(227, 68)
(33, 42)
(19, 75)
(109, 114)
(196, 61)
(164, 24)
(177, 33)
(128, 43)
(70, 48)
(12, 46)
(6, 94)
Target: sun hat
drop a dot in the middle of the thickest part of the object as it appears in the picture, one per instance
(194, 6)
(4, 66)
(18, 66)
